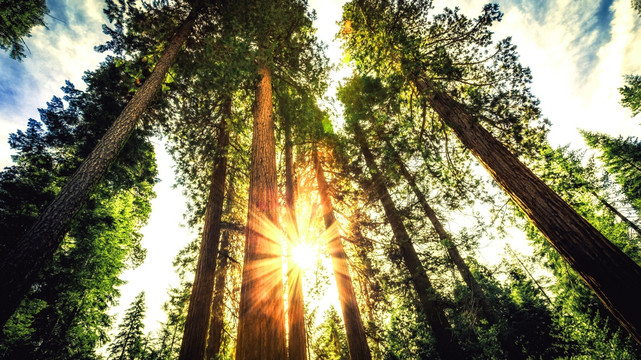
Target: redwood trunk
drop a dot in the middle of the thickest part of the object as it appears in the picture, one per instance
(428, 298)
(216, 325)
(446, 239)
(261, 323)
(295, 310)
(356, 337)
(199, 311)
(613, 276)
(617, 213)
(23, 263)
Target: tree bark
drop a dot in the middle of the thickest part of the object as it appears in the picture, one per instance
(612, 275)
(446, 239)
(23, 263)
(261, 323)
(214, 341)
(199, 310)
(216, 323)
(428, 298)
(356, 337)
(295, 310)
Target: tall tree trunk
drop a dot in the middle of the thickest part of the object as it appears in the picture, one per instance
(428, 298)
(198, 313)
(23, 263)
(216, 324)
(446, 239)
(356, 337)
(214, 341)
(261, 319)
(612, 275)
(295, 310)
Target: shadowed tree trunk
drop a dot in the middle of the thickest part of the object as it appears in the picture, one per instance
(612, 275)
(43, 238)
(261, 318)
(428, 298)
(445, 238)
(216, 323)
(198, 314)
(356, 337)
(295, 310)
(214, 341)
(616, 212)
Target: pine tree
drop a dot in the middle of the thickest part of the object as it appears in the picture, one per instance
(129, 342)
(576, 239)
(45, 235)
(17, 18)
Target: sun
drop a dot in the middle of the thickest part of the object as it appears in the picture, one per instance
(304, 256)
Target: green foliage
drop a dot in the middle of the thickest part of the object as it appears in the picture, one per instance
(65, 313)
(17, 18)
(331, 342)
(631, 91)
(622, 158)
(129, 341)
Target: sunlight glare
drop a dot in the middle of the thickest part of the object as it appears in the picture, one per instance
(304, 256)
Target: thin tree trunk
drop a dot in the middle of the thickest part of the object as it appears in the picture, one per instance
(617, 213)
(198, 313)
(295, 310)
(216, 325)
(612, 275)
(428, 298)
(356, 337)
(261, 319)
(446, 239)
(23, 263)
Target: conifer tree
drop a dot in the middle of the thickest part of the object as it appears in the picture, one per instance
(128, 343)
(45, 235)
(605, 269)
(17, 18)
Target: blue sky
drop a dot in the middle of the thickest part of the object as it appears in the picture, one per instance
(578, 52)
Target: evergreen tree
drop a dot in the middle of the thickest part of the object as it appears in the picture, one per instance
(622, 158)
(45, 235)
(129, 342)
(455, 71)
(66, 309)
(631, 91)
(17, 18)
(331, 343)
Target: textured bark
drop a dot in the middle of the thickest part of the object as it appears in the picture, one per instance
(612, 275)
(214, 341)
(428, 298)
(446, 239)
(356, 337)
(295, 310)
(43, 238)
(261, 322)
(198, 314)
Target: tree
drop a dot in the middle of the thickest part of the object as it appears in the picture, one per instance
(631, 91)
(128, 343)
(427, 295)
(17, 18)
(195, 337)
(622, 158)
(297, 339)
(67, 305)
(331, 344)
(606, 269)
(356, 337)
(45, 235)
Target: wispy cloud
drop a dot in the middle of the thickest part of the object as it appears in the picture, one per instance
(578, 52)
(62, 52)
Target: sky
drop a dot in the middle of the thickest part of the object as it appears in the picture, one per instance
(578, 52)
